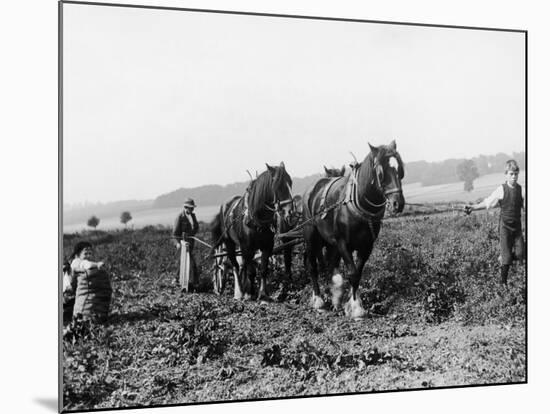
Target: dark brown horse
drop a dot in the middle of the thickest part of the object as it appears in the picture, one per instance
(248, 222)
(286, 226)
(344, 215)
(335, 172)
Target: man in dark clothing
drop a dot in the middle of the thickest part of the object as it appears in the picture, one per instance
(510, 199)
(185, 227)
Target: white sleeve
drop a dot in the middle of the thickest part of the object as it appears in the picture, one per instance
(80, 265)
(494, 198)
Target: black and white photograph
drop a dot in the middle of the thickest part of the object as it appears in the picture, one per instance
(276, 206)
(260, 206)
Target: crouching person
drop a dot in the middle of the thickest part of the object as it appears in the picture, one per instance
(93, 286)
(69, 288)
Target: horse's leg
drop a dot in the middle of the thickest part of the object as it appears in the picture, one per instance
(287, 253)
(264, 268)
(332, 263)
(238, 291)
(322, 263)
(354, 307)
(312, 246)
(248, 275)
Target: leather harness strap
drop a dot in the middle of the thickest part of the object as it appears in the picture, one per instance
(323, 200)
(351, 200)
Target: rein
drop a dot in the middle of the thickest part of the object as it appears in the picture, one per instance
(279, 203)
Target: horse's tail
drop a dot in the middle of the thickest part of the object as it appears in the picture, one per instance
(216, 229)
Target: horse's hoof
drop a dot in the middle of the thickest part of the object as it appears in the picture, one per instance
(247, 296)
(265, 299)
(317, 303)
(357, 314)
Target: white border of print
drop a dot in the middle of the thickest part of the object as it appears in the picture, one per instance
(29, 171)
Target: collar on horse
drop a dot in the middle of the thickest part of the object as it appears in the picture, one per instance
(351, 200)
(322, 203)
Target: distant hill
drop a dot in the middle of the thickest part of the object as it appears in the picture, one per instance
(419, 173)
(209, 195)
(422, 172)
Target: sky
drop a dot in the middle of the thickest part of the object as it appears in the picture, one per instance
(156, 100)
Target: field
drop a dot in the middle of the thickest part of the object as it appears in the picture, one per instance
(436, 317)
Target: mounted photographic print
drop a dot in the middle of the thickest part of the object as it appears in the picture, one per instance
(263, 206)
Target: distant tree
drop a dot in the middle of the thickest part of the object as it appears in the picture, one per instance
(125, 217)
(93, 222)
(467, 172)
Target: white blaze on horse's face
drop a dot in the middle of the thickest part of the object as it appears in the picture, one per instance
(395, 202)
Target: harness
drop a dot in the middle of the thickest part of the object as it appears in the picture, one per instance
(280, 203)
(322, 203)
(351, 200)
(230, 214)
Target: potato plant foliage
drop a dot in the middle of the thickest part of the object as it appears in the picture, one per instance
(437, 316)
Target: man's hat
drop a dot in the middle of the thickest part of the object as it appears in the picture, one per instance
(189, 203)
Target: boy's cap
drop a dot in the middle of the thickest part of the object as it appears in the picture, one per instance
(511, 165)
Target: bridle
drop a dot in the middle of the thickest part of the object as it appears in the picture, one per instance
(383, 191)
(279, 204)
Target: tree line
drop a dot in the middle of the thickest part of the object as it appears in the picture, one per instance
(423, 172)
(94, 221)
(448, 171)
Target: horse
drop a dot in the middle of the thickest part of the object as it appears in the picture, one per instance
(335, 172)
(248, 221)
(344, 215)
(286, 226)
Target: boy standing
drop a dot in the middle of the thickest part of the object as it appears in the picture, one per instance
(510, 199)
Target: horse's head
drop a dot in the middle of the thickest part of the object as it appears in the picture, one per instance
(282, 191)
(335, 172)
(389, 170)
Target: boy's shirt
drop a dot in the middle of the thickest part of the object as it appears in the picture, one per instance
(498, 195)
(80, 265)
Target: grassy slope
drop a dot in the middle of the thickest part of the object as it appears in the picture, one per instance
(414, 193)
(483, 186)
(437, 317)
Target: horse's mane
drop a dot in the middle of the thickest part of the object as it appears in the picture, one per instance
(366, 169)
(260, 191)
